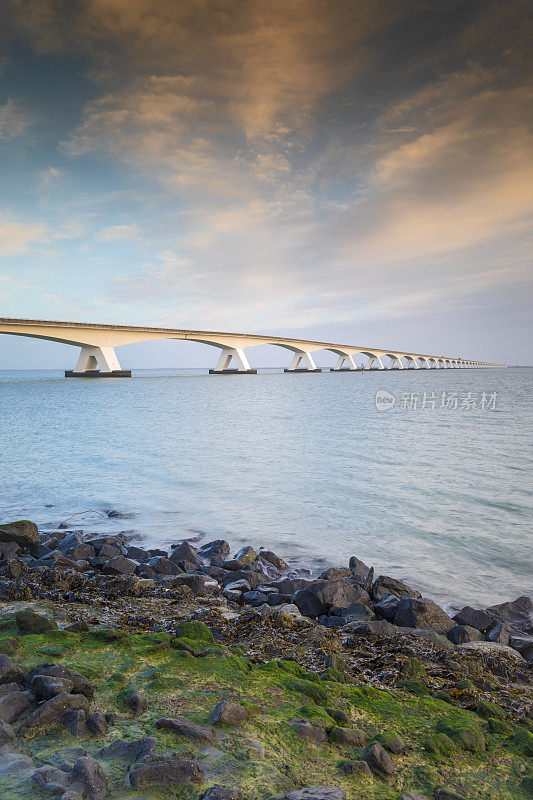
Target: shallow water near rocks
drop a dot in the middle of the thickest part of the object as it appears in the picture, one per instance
(305, 465)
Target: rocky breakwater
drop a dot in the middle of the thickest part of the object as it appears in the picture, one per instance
(129, 672)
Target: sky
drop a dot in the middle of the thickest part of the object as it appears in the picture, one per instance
(357, 171)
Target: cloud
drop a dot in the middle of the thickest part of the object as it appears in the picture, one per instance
(14, 120)
(119, 233)
(19, 237)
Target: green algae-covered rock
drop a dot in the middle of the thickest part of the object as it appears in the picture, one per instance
(487, 709)
(524, 741)
(391, 742)
(9, 646)
(309, 688)
(414, 687)
(195, 630)
(465, 733)
(499, 726)
(439, 744)
(23, 532)
(30, 622)
(335, 675)
(413, 668)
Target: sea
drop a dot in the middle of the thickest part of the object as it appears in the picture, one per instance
(424, 474)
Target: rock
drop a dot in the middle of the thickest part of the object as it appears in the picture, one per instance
(475, 618)
(97, 724)
(52, 712)
(460, 634)
(246, 555)
(15, 568)
(71, 540)
(78, 627)
(24, 533)
(305, 729)
(351, 736)
(222, 793)
(518, 613)
(80, 684)
(81, 552)
(413, 796)
(167, 773)
(227, 713)
(127, 751)
(384, 585)
(378, 627)
(120, 565)
(13, 705)
(357, 612)
(50, 780)
(316, 793)
(339, 716)
(136, 554)
(422, 613)
(9, 672)
(218, 547)
(272, 558)
(241, 585)
(195, 630)
(499, 632)
(186, 727)
(30, 622)
(109, 551)
(443, 793)
(7, 688)
(392, 742)
(136, 701)
(357, 768)
(200, 585)
(387, 607)
(44, 687)
(319, 596)
(378, 759)
(254, 598)
(76, 723)
(7, 734)
(334, 574)
(290, 585)
(492, 647)
(89, 772)
(186, 556)
(524, 645)
(358, 567)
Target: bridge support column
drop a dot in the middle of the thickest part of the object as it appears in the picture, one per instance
(411, 363)
(97, 362)
(341, 362)
(394, 361)
(301, 357)
(238, 356)
(375, 360)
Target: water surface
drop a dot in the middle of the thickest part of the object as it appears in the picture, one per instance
(301, 464)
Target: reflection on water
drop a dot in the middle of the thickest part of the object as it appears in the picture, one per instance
(302, 464)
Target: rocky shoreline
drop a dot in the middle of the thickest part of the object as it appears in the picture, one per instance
(345, 633)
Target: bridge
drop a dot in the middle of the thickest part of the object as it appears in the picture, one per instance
(97, 356)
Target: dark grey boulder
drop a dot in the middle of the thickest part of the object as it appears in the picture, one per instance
(136, 701)
(524, 645)
(387, 607)
(52, 712)
(518, 613)
(44, 687)
(499, 632)
(30, 622)
(227, 713)
(186, 727)
(136, 554)
(272, 558)
(254, 598)
(200, 585)
(76, 723)
(334, 574)
(423, 613)
(413, 796)
(379, 760)
(81, 552)
(305, 729)
(246, 555)
(217, 547)
(186, 556)
(97, 724)
(23, 532)
(130, 752)
(475, 618)
(241, 585)
(222, 793)
(384, 585)
(167, 773)
(7, 734)
(289, 586)
(357, 612)
(443, 793)
(120, 565)
(80, 684)
(88, 771)
(460, 634)
(9, 672)
(13, 705)
(70, 540)
(50, 780)
(349, 736)
(339, 716)
(356, 768)
(319, 596)
(7, 688)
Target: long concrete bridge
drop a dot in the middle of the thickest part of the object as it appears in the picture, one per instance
(97, 357)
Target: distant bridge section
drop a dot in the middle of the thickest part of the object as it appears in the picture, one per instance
(97, 356)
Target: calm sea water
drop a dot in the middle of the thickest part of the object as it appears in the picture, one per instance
(305, 465)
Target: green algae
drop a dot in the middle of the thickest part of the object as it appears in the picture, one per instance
(195, 630)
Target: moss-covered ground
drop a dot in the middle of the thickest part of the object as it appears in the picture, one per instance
(187, 675)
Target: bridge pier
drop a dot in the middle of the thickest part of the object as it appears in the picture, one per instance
(340, 364)
(302, 357)
(97, 362)
(238, 356)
